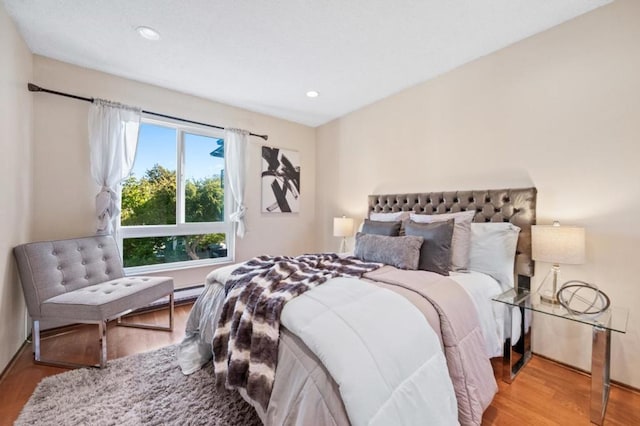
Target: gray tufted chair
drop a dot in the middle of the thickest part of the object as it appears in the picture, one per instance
(82, 281)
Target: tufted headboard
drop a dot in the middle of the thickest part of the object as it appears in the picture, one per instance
(517, 206)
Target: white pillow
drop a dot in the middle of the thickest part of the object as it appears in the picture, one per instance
(461, 240)
(389, 217)
(493, 250)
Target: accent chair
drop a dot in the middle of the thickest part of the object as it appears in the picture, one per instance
(82, 280)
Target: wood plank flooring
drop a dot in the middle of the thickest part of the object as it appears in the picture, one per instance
(548, 393)
(545, 393)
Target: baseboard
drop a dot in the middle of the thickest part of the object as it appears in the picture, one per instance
(587, 373)
(13, 360)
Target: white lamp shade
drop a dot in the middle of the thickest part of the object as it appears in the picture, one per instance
(558, 244)
(342, 226)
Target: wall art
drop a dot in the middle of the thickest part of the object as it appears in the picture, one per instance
(280, 180)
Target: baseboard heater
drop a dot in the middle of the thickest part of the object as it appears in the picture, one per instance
(181, 296)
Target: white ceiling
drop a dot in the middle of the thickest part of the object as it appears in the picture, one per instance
(265, 55)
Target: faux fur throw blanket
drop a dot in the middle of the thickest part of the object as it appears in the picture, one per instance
(245, 344)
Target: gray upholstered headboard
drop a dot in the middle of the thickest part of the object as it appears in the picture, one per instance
(517, 206)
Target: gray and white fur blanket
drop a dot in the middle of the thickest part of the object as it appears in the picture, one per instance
(245, 344)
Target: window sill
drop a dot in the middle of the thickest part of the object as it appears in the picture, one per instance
(177, 266)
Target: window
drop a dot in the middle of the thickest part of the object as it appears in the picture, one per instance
(175, 207)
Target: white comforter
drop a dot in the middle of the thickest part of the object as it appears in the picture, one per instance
(381, 351)
(378, 347)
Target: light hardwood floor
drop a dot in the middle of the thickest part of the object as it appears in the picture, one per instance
(545, 393)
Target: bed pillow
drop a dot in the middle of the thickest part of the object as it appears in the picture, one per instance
(435, 253)
(389, 217)
(493, 250)
(401, 217)
(388, 229)
(461, 241)
(401, 252)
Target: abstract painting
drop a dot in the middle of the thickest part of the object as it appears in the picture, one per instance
(280, 180)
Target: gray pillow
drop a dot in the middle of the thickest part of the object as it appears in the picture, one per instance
(389, 229)
(435, 254)
(461, 241)
(401, 217)
(401, 252)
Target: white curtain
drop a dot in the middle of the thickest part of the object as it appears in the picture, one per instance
(235, 148)
(113, 137)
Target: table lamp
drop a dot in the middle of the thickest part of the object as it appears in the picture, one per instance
(342, 227)
(556, 244)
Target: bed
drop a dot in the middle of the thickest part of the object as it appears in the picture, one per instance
(311, 385)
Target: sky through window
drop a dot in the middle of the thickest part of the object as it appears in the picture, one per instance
(157, 145)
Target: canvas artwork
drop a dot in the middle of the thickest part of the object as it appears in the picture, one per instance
(280, 180)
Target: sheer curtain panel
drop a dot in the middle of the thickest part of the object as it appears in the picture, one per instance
(235, 148)
(113, 137)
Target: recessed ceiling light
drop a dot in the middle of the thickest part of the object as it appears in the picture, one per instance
(312, 94)
(148, 33)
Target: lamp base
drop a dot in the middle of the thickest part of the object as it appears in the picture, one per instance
(343, 245)
(550, 300)
(549, 287)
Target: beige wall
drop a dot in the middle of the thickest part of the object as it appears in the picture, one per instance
(560, 111)
(64, 192)
(16, 120)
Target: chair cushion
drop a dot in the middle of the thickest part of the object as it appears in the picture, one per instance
(108, 299)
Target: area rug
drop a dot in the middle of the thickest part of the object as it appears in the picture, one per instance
(143, 389)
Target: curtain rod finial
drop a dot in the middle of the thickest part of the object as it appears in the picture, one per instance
(33, 88)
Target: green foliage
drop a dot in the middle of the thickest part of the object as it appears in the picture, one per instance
(204, 200)
(151, 200)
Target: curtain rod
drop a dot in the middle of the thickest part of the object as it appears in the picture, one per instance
(35, 88)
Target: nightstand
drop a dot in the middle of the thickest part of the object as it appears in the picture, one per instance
(518, 354)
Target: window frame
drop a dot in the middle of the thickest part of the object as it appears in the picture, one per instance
(181, 227)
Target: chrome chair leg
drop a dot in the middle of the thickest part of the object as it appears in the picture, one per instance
(102, 329)
(35, 331)
(149, 326)
(37, 359)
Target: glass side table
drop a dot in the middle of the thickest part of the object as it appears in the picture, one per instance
(517, 354)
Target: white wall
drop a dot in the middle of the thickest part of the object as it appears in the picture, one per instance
(559, 111)
(15, 174)
(63, 198)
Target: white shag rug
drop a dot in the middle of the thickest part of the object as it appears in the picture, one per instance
(143, 389)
